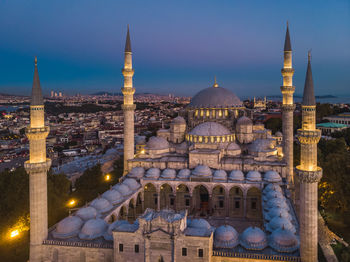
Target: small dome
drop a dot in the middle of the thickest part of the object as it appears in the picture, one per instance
(225, 237)
(131, 183)
(168, 173)
(217, 97)
(123, 189)
(220, 175)
(210, 129)
(272, 177)
(283, 240)
(87, 213)
(272, 187)
(179, 120)
(101, 204)
(184, 174)
(272, 194)
(275, 212)
(244, 121)
(113, 196)
(280, 222)
(262, 145)
(68, 227)
(93, 228)
(199, 223)
(277, 202)
(278, 134)
(233, 146)
(153, 173)
(236, 175)
(157, 143)
(253, 238)
(254, 176)
(202, 171)
(137, 172)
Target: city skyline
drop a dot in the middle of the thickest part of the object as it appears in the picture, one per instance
(80, 47)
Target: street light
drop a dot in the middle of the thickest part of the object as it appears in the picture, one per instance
(72, 202)
(107, 177)
(14, 233)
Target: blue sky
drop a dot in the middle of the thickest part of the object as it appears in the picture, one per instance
(178, 45)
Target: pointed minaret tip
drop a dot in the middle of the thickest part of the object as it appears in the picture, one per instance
(287, 44)
(128, 42)
(37, 96)
(309, 94)
(309, 56)
(36, 61)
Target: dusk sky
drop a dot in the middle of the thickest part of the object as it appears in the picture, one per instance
(178, 46)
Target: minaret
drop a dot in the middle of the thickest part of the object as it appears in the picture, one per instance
(37, 167)
(128, 106)
(309, 174)
(288, 107)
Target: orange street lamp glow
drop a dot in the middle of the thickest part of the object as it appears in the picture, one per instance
(14, 233)
(72, 202)
(107, 177)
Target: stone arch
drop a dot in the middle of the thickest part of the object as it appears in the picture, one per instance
(183, 197)
(236, 200)
(150, 196)
(167, 199)
(201, 201)
(123, 213)
(138, 204)
(253, 203)
(131, 211)
(218, 200)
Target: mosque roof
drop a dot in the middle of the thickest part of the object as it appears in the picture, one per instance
(253, 238)
(113, 196)
(184, 173)
(87, 213)
(123, 189)
(93, 228)
(157, 143)
(198, 227)
(153, 172)
(131, 183)
(244, 121)
(68, 227)
(202, 171)
(233, 146)
(275, 212)
(254, 176)
(220, 175)
(168, 173)
(215, 97)
(137, 172)
(225, 236)
(179, 120)
(272, 187)
(280, 222)
(167, 214)
(283, 240)
(101, 204)
(210, 129)
(272, 177)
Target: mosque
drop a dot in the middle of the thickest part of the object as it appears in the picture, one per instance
(215, 186)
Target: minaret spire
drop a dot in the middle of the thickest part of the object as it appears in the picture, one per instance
(215, 83)
(308, 172)
(128, 105)
(37, 167)
(288, 108)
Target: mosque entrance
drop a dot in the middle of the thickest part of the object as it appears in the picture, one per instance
(201, 201)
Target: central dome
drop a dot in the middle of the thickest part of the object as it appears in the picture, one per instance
(210, 129)
(215, 97)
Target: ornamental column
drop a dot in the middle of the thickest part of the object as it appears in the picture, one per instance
(128, 106)
(37, 167)
(309, 174)
(288, 107)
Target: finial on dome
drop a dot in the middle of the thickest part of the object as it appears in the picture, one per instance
(36, 61)
(215, 83)
(309, 56)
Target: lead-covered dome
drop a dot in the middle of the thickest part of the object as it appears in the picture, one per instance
(137, 172)
(220, 175)
(283, 240)
(87, 213)
(254, 176)
(272, 177)
(101, 204)
(131, 183)
(168, 173)
(225, 237)
(179, 120)
(215, 97)
(253, 238)
(68, 227)
(272, 187)
(184, 174)
(113, 196)
(157, 143)
(93, 228)
(210, 129)
(244, 121)
(153, 173)
(236, 175)
(202, 171)
(280, 222)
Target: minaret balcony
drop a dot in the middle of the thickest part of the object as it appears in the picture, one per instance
(309, 136)
(288, 107)
(287, 71)
(37, 132)
(33, 168)
(128, 107)
(128, 72)
(308, 176)
(128, 91)
(287, 89)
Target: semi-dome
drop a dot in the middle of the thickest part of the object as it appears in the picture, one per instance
(210, 129)
(168, 173)
(254, 176)
(220, 175)
(199, 223)
(93, 228)
(131, 183)
(153, 173)
(272, 187)
(225, 236)
(244, 121)
(215, 97)
(137, 172)
(236, 175)
(184, 173)
(280, 222)
(202, 171)
(123, 189)
(157, 143)
(272, 194)
(113, 196)
(179, 120)
(253, 238)
(275, 212)
(272, 177)
(283, 240)
(68, 227)
(101, 204)
(86, 213)
(198, 227)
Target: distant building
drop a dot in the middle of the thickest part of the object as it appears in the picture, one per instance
(329, 128)
(343, 118)
(259, 103)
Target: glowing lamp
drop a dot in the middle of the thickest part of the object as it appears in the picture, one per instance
(14, 233)
(108, 177)
(72, 202)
